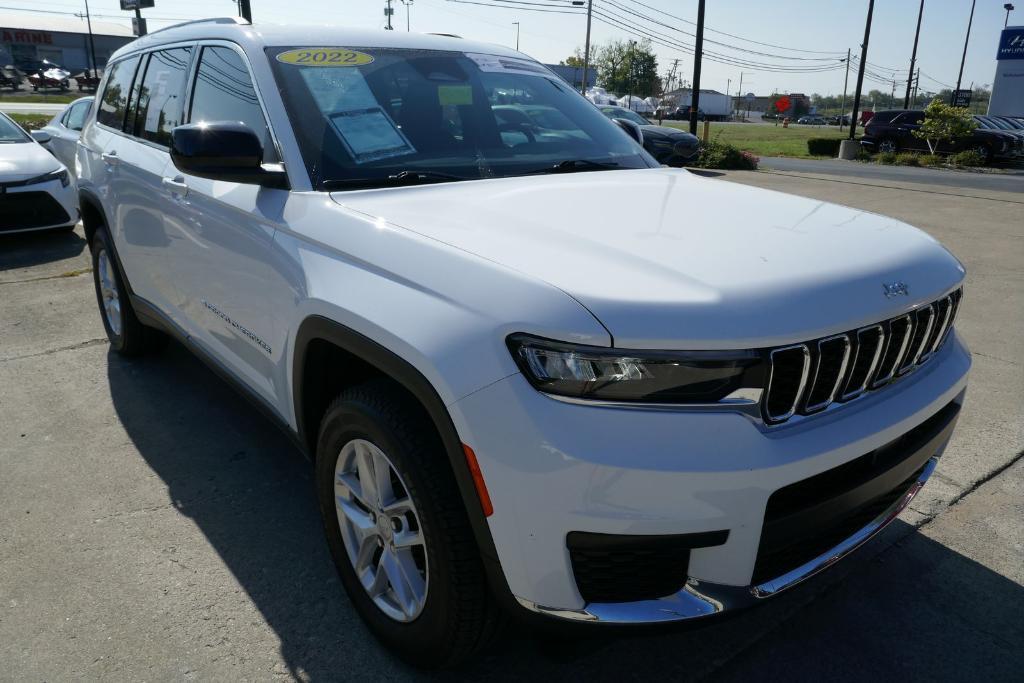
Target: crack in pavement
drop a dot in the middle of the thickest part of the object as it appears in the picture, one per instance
(71, 347)
(62, 276)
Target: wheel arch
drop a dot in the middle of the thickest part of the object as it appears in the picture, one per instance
(92, 213)
(355, 357)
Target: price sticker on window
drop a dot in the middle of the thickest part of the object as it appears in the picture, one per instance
(325, 56)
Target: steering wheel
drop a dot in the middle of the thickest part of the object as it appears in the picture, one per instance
(518, 128)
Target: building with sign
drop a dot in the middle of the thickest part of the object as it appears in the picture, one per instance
(1008, 84)
(26, 39)
(573, 75)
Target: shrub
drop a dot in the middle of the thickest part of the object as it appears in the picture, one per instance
(931, 160)
(944, 122)
(823, 147)
(886, 157)
(908, 159)
(968, 157)
(715, 154)
(862, 155)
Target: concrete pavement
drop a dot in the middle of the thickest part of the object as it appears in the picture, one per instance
(154, 526)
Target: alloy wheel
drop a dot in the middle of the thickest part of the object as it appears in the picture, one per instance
(381, 530)
(108, 292)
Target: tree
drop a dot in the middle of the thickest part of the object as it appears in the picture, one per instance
(576, 59)
(943, 122)
(622, 68)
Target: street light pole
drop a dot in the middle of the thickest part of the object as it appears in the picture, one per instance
(1009, 8)
(860, 69)
(516, 23)
(408, 5)
(913, 57)
(967, 39)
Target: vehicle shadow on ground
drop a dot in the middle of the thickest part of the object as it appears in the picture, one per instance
(917, 609)
(24, 250)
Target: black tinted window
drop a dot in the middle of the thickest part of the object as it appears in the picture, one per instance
(159, 107)
(224, 92)
(114, 101)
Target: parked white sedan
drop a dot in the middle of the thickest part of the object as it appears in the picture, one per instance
(60, 135)
(36, 190)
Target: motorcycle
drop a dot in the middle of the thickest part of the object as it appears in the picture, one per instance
(49, 75)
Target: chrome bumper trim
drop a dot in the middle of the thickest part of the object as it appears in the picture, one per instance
(701, 598)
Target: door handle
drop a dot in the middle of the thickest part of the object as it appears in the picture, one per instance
(176, 185)
(110, 158)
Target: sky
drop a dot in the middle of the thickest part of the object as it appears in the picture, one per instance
(812, 35)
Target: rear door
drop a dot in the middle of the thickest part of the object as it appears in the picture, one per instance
(64, 136)
(142, 199)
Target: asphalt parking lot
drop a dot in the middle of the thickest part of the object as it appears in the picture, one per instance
(154, 526)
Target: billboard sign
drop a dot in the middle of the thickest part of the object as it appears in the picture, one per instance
(1008, 84)
(961, 98)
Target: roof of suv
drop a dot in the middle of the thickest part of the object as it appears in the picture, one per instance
(269, 35)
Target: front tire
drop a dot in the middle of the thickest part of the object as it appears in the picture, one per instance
(888, 145)
(397, 529)
(127, 335)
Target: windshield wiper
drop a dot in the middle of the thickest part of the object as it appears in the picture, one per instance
(398, 179)
(573, 165)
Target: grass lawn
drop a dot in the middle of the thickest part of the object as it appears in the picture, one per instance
(29, 97)
(767, 141)
(31, 121)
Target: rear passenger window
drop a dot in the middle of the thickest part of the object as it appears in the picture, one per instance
(159, 108)
(114, 101)
(75, 118)
(224, 92)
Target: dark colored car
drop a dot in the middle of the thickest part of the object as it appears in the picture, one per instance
(892, 131)
(837, 120)
(670, 146)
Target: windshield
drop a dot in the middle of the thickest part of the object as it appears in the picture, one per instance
(375, 114)
(623, 113)
(11, 132)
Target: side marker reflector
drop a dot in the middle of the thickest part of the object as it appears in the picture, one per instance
(478, 481)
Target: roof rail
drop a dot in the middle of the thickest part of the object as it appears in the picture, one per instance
(211, 20)
(446, 35)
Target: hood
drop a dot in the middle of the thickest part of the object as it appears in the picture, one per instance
(654, 131)
(667, 259)
(24, 160)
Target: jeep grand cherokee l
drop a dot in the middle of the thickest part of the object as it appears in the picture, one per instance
(538, 375)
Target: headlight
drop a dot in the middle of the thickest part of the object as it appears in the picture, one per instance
(601, 374)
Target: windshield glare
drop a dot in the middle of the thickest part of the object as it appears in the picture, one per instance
(371, 113)
(11, 132)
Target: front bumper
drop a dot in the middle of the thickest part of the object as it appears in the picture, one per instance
(40, 206)
(554, 468)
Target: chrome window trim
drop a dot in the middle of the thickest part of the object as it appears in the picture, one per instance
(874, 361)
(772, 419)
(904, 343)
(839, 377)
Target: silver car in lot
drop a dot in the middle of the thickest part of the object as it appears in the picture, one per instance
(60, 135)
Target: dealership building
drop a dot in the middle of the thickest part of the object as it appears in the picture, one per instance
(25, 39)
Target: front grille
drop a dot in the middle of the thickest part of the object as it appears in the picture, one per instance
(808, 518)
(24, 210)
(627, 568)
(807, 378)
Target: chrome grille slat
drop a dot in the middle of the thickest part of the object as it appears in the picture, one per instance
(871, 357)
(835, 380)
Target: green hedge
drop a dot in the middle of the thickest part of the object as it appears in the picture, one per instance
(823, 147)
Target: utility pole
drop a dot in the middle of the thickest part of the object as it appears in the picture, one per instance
(246, 10)
(698, 54)
(629, 77)
(846, 81)
(892, 95)
(917, 82)
(92, 45)
(586, 48)
(966, 40)
(408, 5)
(388, 11)
(728, 84)
(860, 70)
(913, 56)
(516, 23)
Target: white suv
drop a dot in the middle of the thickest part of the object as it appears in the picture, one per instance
(537, 373)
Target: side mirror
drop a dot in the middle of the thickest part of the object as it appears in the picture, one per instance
(40, 136)
(223, 151)
(633, 130)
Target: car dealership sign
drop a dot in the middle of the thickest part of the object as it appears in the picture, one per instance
(1008, 84)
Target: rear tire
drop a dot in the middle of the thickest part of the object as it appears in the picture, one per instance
(888, 145)
(127, 335)
(455, 615)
